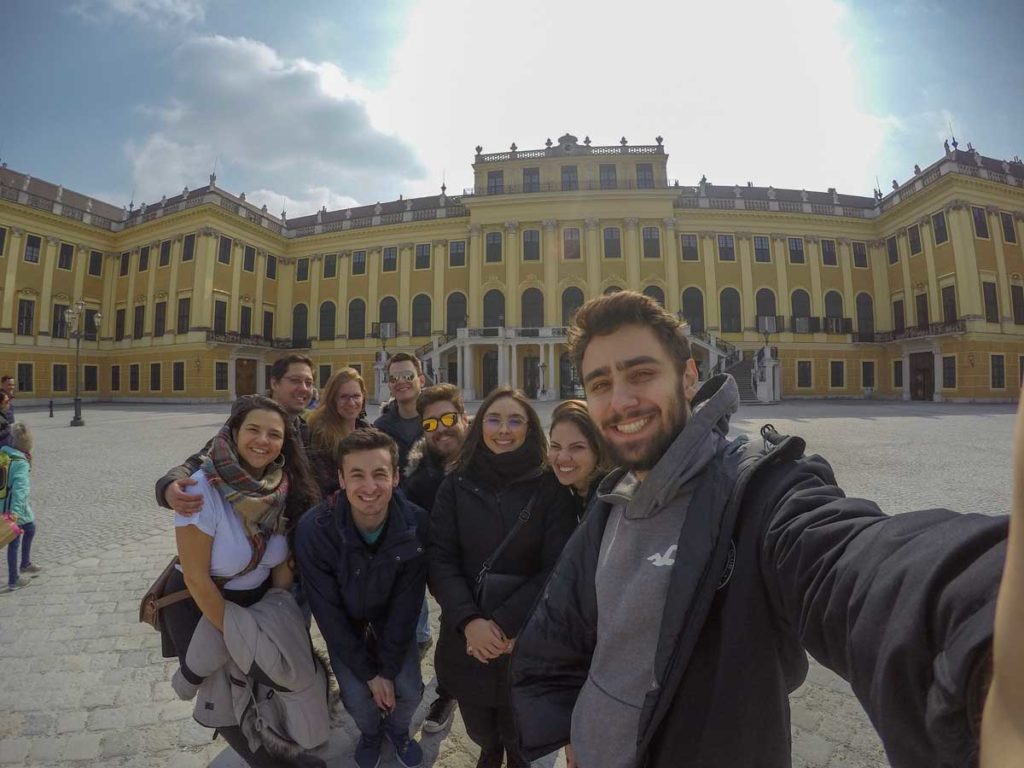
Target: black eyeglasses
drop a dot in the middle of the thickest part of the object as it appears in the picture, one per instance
(445, 419)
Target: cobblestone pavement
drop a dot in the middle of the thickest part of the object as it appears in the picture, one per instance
(84, 683)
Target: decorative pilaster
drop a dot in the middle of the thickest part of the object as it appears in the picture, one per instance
(512, 258)
(632, 247)
(670, 244)
(475, 299)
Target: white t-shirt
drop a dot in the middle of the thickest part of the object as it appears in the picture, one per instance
(231, 549)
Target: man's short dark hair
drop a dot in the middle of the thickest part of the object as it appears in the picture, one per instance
(366, 439)
(605, 315)
(282, 364)
(440, 393)
(405, 357)
(5, 379)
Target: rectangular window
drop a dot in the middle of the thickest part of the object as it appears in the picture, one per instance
(138, 322)
(249, 259)
(493, 247)
(828, 253)
(531, 179)
(726, 248)
(898, 316)
(921, 305)
(762, 249)
(115, 378)
(224, 250)
(796, 250)
(571, 243)
(155, 385)
(91, 326)
(949, 303)
(652, 242)
(143, 258)
(531, 245)
(245, 320)
(998, 365)
(271, 270)
(96, 263)
(422, 258)
(59, 326)
(980, 222)
(949, 371)
(988, 292)
(867, 373)
(25, 377)
(495, 182)
(893, 249)
(1009, 231)
(358, 262)
(457, 253)
(860, 255)
(389, 259)
(330, 266)
(570, 181)
(178, 376)
(26, 317)
(220, 316)
(324, 374)
(60, 377)
(644, 176)
(3, 240)
(939, 228)
(184, 312)
(689, 248)
(914, 237)
(607, 177)
(120, 317)
(126, 262)
(302, 270)
(1017, 298)
(65, 256)
(32, 245)
(897, 374)
(220, 376)
(268, 324)
(91, 378)
(133, 377)
(836, 374)
(165, 253)
(159, 319)
(188, 248)
(803, 374)
(612, 243)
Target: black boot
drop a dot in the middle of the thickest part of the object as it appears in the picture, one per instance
(490, 758)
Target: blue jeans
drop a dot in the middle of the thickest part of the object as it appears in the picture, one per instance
(423, 624)
(25, 542)
(358, 700)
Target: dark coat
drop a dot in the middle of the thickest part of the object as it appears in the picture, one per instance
(467, 524)
(349, 587)
(325, 468)
(423, 475)
(388, 422)
(901, 607)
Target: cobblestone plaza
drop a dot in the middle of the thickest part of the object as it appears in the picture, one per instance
(84, 683)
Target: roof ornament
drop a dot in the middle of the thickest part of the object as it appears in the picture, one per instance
(945, 145)
(771, 192)
(24, 184)
(213, 180)
(917, 169)
(408, 205)
(803, 195)
(513, 147)
(88, 204)
(264, 208)
(284, 214)
(184, 193)
(895, 184)
(320, 216)
(348, 213)
(658, 140)
(60, 193)
(548, 143)
(377, 208)
(479, 150)
(736, 191)
(835, 195)
(242, 197)
(586, 141)
(163, 201)
(623, 141)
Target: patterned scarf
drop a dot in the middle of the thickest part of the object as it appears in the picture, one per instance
(260, 503)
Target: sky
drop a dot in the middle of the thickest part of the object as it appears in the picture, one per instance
(332, 103)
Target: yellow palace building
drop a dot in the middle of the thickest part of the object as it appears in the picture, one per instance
(917, 294)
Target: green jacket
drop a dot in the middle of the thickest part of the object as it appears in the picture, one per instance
(19, 484)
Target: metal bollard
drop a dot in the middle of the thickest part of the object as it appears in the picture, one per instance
(51, 409)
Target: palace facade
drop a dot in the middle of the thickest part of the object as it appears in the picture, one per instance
(917, 294)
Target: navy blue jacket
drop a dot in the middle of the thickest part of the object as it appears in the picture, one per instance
(351, 589)
(389, 422)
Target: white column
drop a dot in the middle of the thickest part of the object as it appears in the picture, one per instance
(937, 370)
(502, 364)
(552, 379)
(513, 365)
(468, 388)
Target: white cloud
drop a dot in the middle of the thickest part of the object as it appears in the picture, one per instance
(169, 13)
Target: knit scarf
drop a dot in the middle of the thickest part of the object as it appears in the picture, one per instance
(496, 470)
(260, 503)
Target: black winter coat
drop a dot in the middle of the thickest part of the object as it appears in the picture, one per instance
(424, 473)
(349, 587)
(388, 422)
(467, 524)
(901, 607)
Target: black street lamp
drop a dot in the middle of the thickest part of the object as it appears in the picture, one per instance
(75, 317)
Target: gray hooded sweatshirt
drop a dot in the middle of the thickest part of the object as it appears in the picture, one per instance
(634, 568)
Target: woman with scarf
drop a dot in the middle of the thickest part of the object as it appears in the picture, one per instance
(498, 478)
(341, 410)
(255, 485)
(575, 452)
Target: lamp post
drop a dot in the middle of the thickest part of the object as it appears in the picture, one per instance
(75, 317)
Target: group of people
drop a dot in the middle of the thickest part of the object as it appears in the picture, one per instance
(15, 486)
(657, 613)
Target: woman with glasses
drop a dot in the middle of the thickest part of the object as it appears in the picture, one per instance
(575, 452)
(498, 478)
(341, 410)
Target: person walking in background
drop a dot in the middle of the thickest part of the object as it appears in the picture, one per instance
(18, 456)
(339, 413)
(5, 424)
(399, 417)
(7, 408)
(575, 452)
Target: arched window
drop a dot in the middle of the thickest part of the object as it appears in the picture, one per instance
(455, 312)
(421, 315)
(833, 304)
(801, 303)
(765, 302)
(357, 319)
(865, 314)
(494, 309)
(532, 306)
(611, 289)
(731, 316)
(300, 325)
(328, 321)
(389, 311)
(655, 293)
(693, 309)
(572, 300)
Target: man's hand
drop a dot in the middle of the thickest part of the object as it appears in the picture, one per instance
(383, 691)
(484, 640)
(1002, 728)
(180, 500)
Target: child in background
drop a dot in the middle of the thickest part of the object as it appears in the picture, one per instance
(16, 503)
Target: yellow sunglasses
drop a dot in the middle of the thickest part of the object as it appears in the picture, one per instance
(445, 419)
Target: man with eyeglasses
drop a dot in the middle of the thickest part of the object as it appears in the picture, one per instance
(399, 418)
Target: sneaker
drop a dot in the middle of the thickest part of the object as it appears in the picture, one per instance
(407, 750)
(368, 751)
(21, 582)
(440, 714)
(31, 569)
(424, 646)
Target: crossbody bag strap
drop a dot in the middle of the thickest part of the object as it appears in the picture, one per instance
(523, 518)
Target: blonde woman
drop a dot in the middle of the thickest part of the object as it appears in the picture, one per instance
(340, 412)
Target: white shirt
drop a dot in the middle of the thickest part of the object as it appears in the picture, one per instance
(231, 549)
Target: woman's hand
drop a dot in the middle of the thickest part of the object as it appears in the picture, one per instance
(1002, 728)
(570, 757)
(484, 640)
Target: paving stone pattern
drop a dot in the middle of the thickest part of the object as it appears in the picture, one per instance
(85, 684)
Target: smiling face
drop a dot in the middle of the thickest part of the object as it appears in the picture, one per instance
(293, 390)
(571, 456)
(369, 479)
(349, 400)
(636, 395)
(259, 440)
(504, 425)
(445, 441)
(404, 382)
